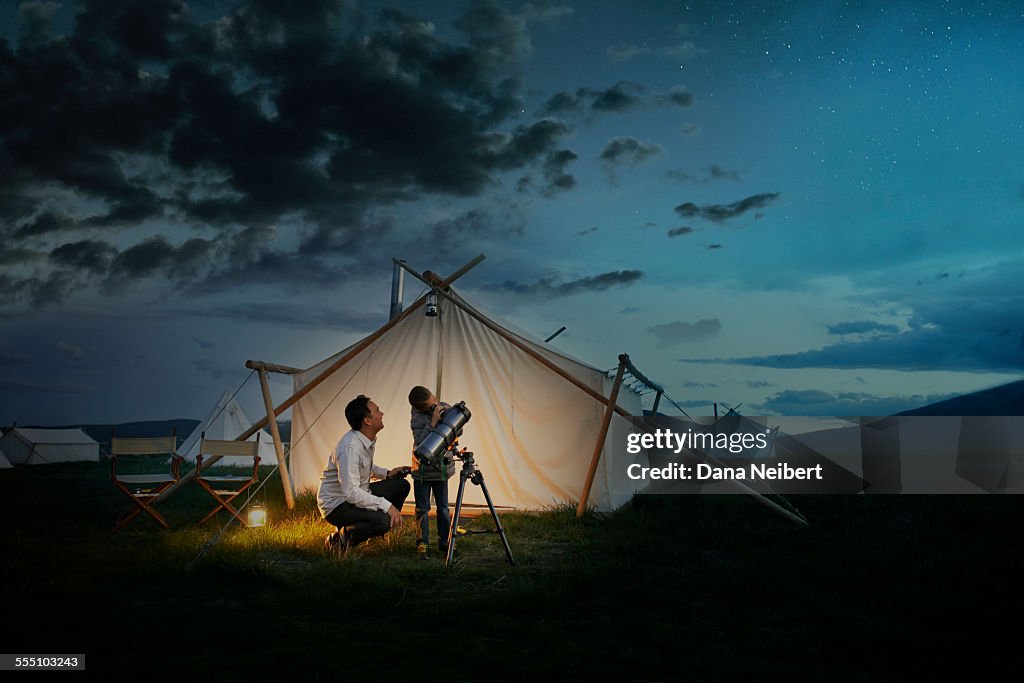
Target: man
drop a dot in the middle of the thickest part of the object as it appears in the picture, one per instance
(346, 497)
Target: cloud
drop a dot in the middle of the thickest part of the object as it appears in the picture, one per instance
(677, 232)
(816, 403)
(684, 51)
(588, 231)
(551, 288)
(722, 212)
(674, 333)
(268, 114)
(555, 174)
(69, 351)
(861, 327)
(93, 256)
(626, 151)
(711, 174)
(297, 316)
(714, 246)
(477, 223)
(619, 97)
(207, 345)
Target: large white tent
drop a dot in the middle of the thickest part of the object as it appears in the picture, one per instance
(226, 421)
(533, 432)
(5, 464)
(32, 446)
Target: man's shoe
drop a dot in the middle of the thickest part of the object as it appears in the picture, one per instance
(421, 551)
(336, 542)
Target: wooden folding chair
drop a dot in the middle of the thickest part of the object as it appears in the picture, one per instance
(143, 487)
(226, 487)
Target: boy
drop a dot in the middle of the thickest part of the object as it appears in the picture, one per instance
(426, 479)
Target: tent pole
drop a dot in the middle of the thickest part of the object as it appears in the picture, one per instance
(286, 481)
(657, 400)
(294, 398)
(601, 436)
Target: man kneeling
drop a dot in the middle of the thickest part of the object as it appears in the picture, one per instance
(346, 497)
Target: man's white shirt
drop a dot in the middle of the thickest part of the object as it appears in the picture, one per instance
(346, 477)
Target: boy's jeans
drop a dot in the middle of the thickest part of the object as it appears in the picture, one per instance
(421, 491)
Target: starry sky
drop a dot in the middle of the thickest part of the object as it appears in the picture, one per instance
(808, 207)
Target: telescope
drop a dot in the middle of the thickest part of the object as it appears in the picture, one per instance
(443, 436)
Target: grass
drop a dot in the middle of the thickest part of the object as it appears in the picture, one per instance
(702, 587)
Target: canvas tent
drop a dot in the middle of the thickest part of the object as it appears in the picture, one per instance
(226, 420)
(4, 462)
(28, 446)
(532, 431)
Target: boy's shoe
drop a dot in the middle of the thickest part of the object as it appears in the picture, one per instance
(421, 551)
(459, 531)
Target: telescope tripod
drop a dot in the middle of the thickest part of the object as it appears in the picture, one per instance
(470, 472)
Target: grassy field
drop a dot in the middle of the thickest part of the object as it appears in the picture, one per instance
(669, 587)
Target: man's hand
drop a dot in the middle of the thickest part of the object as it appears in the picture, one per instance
(396, 472)
(396, 516)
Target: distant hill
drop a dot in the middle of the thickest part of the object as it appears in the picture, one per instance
(152, 428)
(1006, 399)
(134, 430)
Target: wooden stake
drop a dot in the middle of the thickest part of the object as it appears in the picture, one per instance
(286, 480)
(601, 436)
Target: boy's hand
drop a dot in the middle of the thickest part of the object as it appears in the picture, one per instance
(435, 414)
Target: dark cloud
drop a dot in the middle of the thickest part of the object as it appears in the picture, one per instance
(556, 177)
(714, 246)
(207, 345)
(678, 96)
(708, 175)
(474, 224)
(46, 222)
(93, 256)
(551, 288)
(13, 256)
(588, 231)
(69, 351)
(619, 97)
(623, 96)
(677, 232)
(298, 316)
(626, 151)
(861, 327)
(297, 109)
(817, 403)
(671, 334)
(722, 212)
(684, 51)
(563, 102)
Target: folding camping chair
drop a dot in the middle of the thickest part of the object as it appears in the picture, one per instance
(229, 486)
(143, 487)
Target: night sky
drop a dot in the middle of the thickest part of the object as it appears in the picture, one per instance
(811, 208)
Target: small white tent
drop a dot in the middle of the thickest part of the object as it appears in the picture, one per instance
(26, 446)
(533, 432)
(226, 421)
(5, 464)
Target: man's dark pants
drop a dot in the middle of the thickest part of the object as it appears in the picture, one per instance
(364, 523)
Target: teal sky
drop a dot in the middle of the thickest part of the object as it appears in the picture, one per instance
(811, 208)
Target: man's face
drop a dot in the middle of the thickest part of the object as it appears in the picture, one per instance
(376, 419)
